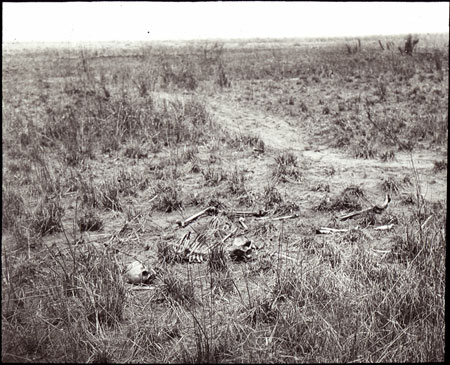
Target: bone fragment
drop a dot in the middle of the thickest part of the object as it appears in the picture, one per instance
(229, 235)
(259, 213)
(376, 209)
(279, 218)
(285, 217)
(142, 288)
(326, 230)
(287, 257)
(195, 216)
(384, 228)
(242, 222)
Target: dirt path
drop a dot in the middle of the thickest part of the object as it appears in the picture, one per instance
(280, 134)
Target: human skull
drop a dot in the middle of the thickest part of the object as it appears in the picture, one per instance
(138, 273)
(242, 249)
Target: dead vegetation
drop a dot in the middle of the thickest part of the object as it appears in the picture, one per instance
(259, 251)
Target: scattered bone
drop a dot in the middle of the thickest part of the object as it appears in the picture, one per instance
(385, 227)
(215, 244)
(326, 230)
(376, 209)
(229, 235)
(143, 288)
(259, 213)
(285, 217)
(381, 251)
(197, 215)
(242, 222)
(284, 256)
(279, 218)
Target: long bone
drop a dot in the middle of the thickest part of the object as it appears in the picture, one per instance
(376, 209)
(195, 216)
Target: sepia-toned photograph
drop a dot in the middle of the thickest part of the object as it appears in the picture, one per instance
(224, 181)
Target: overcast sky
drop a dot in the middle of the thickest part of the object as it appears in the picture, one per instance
(137, 21)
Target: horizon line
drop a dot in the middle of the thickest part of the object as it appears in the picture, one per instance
(223, 38)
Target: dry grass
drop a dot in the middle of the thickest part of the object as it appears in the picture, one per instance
(107, 149)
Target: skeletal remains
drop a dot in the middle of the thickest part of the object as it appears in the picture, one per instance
(197, 249)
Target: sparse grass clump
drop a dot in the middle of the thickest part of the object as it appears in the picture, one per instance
(321, 187)
(213, 175)
(286, 167)
(387, 156)
(87, 192)
(90, 221)
(131, 181)
(264, 310)
(288, 285)
(222, 282)
(166, 253)
(46, 218)
(168, 197)
(181, 76)
(390, 185)
(239, 140)
(272, 197)
(189, 153)
(13, 207)
(109, 195)
(440, 166)
(237, 181)
(364, 148)
(348, 199)
(135, 150)
(177, 290)
(286, 207)
(104, 277)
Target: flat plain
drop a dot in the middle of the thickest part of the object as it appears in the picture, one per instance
(108, 148)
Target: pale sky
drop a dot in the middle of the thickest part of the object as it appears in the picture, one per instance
(140, 21)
